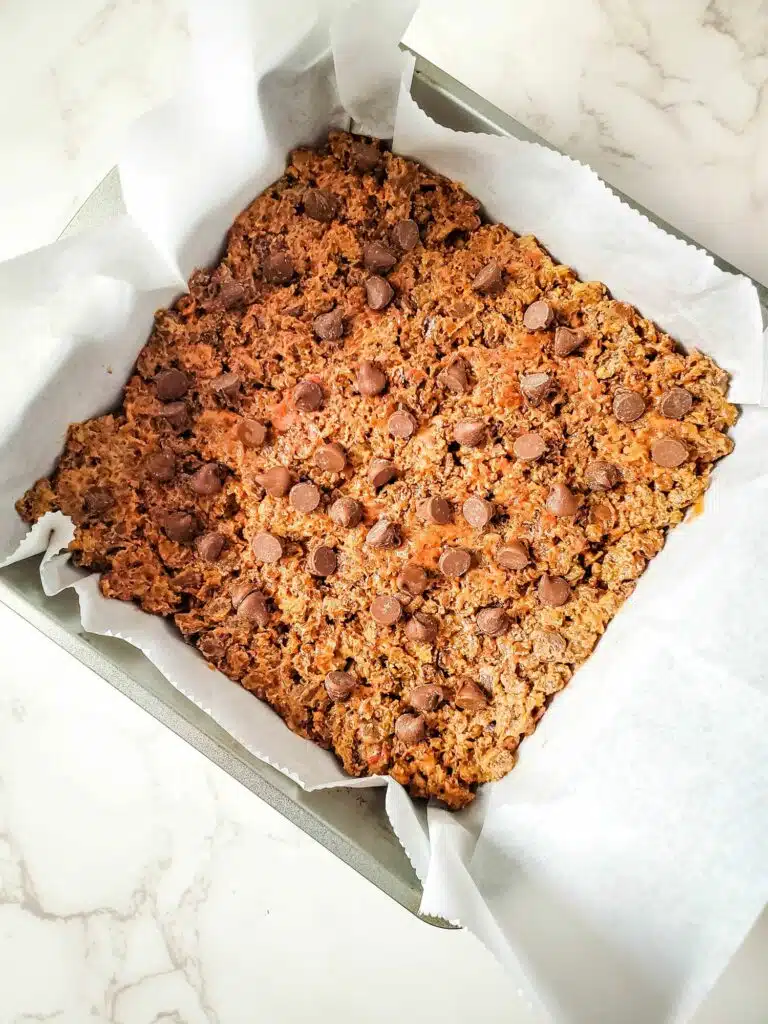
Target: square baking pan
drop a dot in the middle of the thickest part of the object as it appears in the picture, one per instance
(350, 823)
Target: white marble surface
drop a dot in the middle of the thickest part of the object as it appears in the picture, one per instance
(138, 883)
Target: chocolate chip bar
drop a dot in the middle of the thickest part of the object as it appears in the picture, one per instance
(391, 468)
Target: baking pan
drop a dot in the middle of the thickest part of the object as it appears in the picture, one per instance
(350, 823)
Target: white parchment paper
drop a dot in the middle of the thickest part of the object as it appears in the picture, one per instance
(620, 865)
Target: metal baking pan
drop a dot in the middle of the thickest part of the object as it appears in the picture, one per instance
(351, 824)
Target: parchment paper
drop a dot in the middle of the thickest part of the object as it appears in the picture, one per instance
(620, 865)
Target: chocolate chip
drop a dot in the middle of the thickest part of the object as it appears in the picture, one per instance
(538, 316)
(251, 433)
(386, 610)
(267, 548)
(210, 546)
(365, 157)
(567, 341)
(171, 384)
(329, 326)
(561, 501)
(180, 526)
(207, 480)
(455, 562)
(320, 204)
(384, 534)
(601, 475)
(371, 379)
(668, 452)
(675, 403)
(513, 555)
(161, 466)
(322, 561)
(240, 591)
(177, 415)
(278, 267)
(628, 406)
(402, 424)
(489, 281)
(554, 591)
(536, 386)
(254, 608)
(276, 481)
(470, 697)
(379, 292)
(422, 628)
(346, 512)
(381, 472)
(308, 396)
(437, 510)
(98, 500)
(339, 685)
(412, 580)
(493, 621)
(470, 433)
(455, 377)
(427, 697)
(304, 497)
(330, 458)
(529, 447)
(478, 512)
(226, 386)
(405, 235)
(410, 729)
(378, 257)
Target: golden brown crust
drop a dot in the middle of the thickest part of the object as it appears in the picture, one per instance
(234, 321)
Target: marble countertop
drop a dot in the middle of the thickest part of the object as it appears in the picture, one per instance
(139, 884)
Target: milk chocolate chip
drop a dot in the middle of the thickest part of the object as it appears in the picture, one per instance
(455, 377)
(177, 415)
(668, 452)
(365, 157)
(412, 580)
(381, 472)
(386, 610)
(207, 480)
(489, 280)
(529, 447)
(405, 235)
(567, 341)
(455, 562)
(478, 512)
(371, 379)
(251, 433)
(538, 316)
(329, 326)
(339, 685)
(378, 257)
(410, 729)
(437, 510)
(628, 406)
(304, 497)
(470, 433)
(320, 204)
(402, 424)
(554, 591)
(322, 561)
(161, 466)
(171, 384)
(561, 501)
(346, 512)
(422, 628)
(384, 534)
(378, 292)
(493, 621)
(536, 387)
(276, 481)
(470, 697)
(308, 396)
(226, 386)
(180, 527)
(210, 546)
(254, 608)
(675, 403)
(427, 697)
(267, 548)
(513, 555)
(602, 475)
(278, 267)
(330, 458)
